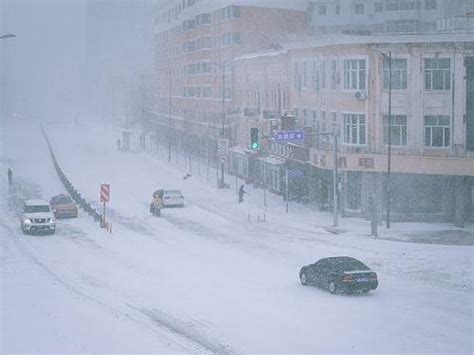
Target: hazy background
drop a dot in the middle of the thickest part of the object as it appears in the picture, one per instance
(69, 53)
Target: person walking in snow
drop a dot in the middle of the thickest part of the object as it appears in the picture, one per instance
(10, 176)
(241, 193)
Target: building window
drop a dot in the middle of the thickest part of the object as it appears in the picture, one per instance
(401, 5)
(401, 26)
(430, 5)
(323, 74)
(437, 131)
(203, 19)
(324, 122)
(338, 9)
(322, 10)
(359, 8)
(236, 40)
(229, 12)
(304, 75)
(229, 39)
(190, 24)
(398, 130)
(315, 75)
(334, 78)
(437, 74)
(335, 127)
(354, 129)
(354, 74)
(379, 7)
(297, 76)
(399, 74)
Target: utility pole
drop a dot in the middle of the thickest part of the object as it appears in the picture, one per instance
(335, 187)
(388, 58)
(223, 120)
(143, 111)
(169, 125)
(389, 155)
(335, 182)
(286, 187)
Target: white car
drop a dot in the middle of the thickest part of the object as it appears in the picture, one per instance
(173, 198)
(37, 218)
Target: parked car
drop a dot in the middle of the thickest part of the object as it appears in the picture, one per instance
(37, 218)
(339, 274)
(63, 206)
(173, 198)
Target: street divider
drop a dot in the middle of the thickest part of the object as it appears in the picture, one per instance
(75, 195)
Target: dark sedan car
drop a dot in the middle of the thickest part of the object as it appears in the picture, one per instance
(339, 274)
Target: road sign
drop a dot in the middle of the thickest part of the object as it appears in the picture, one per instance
(223, 147)
(104, 193)
(289, 136)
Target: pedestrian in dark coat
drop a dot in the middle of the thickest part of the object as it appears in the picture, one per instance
(241, 193)
(10, 176)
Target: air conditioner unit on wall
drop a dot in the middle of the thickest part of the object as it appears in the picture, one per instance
(360, 95)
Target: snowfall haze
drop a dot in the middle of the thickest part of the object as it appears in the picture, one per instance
(283, 131)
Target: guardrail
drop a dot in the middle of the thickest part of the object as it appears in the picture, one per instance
(75, 195)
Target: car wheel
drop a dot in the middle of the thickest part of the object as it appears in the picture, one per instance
(303, 279)
(23, 230)
(332, 287)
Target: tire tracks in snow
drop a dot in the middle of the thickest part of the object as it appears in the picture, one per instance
(184, 338)
(153, 320)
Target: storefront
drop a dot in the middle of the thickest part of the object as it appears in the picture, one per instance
(272, 170)
(239, 163)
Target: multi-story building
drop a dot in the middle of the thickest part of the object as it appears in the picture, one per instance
(195, 43)
(383, 16)
(340, 84)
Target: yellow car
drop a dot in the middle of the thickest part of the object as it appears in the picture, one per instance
(63, 206)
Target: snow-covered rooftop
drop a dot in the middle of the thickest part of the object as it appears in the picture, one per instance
(340, 40)
(263, 53)
(335, 40)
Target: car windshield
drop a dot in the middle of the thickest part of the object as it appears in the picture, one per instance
(349, 265)
(36, 209)
(62, 200)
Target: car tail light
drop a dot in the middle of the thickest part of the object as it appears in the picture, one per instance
(373, 277)
(347, 278)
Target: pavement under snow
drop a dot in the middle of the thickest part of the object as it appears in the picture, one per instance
(207, 277)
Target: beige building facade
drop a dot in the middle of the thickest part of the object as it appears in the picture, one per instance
(195, 43)
(340, 84)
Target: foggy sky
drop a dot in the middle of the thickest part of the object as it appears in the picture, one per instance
(66, 52)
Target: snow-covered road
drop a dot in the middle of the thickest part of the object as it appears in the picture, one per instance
(204, 278)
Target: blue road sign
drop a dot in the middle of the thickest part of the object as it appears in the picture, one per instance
(289, 136)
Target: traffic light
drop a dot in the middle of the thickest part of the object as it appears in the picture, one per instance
(254, 143)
